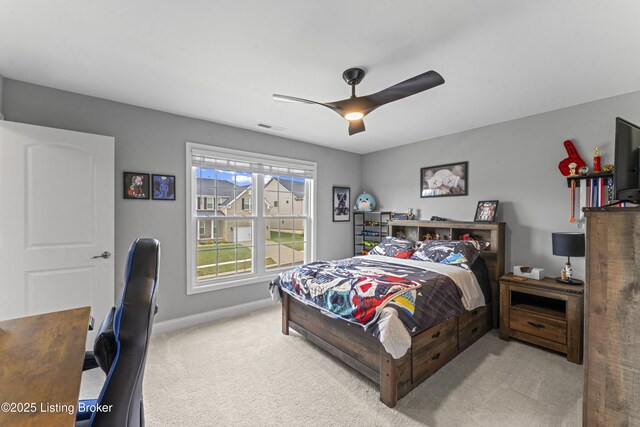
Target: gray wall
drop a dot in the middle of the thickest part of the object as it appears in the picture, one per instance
(514, 162)
(1, 97)
(153, 141)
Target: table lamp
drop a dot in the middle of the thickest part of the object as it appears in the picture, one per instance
(568, 244)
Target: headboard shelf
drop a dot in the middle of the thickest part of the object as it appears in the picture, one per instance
(494, 233)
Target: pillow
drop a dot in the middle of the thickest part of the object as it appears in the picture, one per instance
(394, 247)
(461, 253)
(479, 244)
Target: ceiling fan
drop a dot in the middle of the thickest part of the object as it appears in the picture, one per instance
(356, 107)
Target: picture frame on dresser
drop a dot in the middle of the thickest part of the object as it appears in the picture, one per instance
(445, 180)
(486, 211)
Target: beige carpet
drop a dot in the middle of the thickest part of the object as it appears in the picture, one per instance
(244, 372)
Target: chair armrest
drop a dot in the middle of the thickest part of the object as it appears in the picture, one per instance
(90, 361)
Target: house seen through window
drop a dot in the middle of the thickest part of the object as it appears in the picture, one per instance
(239, 237)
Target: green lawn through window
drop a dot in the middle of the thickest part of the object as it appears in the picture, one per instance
(288, 239)
(206, 255)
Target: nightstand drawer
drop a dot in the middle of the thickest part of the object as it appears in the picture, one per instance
(540, 326)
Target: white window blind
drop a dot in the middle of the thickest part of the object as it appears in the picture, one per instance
(252, 164)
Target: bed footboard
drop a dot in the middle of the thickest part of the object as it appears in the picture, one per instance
(430, 350)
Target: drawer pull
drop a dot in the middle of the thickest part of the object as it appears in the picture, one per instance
(536, 325)
(436, 357)
(474, 330)
(436, 335)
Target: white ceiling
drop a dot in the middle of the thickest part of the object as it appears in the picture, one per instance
(221, 61)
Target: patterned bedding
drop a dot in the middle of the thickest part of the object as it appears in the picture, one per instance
(389, 297)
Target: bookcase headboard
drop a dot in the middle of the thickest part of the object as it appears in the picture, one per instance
(494, 256)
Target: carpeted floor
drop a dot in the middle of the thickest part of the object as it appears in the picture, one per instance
(244, 372)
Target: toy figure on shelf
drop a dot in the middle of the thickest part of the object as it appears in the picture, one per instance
(365, 203)
(572, 169)
(567, 272)
(596, 160)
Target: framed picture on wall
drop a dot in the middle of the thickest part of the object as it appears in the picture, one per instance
(445, 180)
(486, 211)
(341, 204)
(136, 185)
(164, 187)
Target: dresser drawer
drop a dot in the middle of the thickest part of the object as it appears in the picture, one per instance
(538, 325)
(472, 325)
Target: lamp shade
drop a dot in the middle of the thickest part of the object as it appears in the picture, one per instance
(568, 244)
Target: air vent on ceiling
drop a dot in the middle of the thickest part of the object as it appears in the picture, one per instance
(272, 127)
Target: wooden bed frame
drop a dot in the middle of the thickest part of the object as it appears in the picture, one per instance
(430, 349)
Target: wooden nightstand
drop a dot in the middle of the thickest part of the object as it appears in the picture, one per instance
(543, 312)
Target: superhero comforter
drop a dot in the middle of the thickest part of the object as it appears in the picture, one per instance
(391, 298)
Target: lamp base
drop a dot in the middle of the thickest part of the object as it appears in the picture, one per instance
(569, 281)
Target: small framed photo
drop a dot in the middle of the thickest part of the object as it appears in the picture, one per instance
(445, 180)
(136, 185)
(164, 187)
(486, 211)
(341, 204)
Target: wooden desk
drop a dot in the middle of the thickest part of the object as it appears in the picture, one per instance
(41, 361)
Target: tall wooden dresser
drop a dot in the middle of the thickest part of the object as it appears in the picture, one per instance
(612, 318)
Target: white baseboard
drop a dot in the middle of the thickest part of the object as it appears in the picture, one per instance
(208, 316)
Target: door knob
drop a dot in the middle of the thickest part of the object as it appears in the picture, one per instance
(104, 255)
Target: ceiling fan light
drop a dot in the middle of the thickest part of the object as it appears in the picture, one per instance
(356, 115)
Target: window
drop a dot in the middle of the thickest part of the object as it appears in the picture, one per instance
(242, 241)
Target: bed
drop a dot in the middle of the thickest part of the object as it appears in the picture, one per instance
(399, 365)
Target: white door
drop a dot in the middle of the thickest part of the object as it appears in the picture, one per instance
(56, 216)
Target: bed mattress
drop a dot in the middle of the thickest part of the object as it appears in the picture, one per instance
(390, 298)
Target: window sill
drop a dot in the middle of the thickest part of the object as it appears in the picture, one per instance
(218, 284)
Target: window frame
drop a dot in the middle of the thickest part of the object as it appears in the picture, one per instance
(249, 203)
(259, 274)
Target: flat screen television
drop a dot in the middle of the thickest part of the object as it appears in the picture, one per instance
(627, 161)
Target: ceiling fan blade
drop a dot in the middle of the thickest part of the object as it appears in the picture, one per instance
(407, 88)
(293, 99)
(286, 98)
(356, 126)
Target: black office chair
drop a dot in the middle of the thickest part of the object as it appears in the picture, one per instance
(120, 348)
